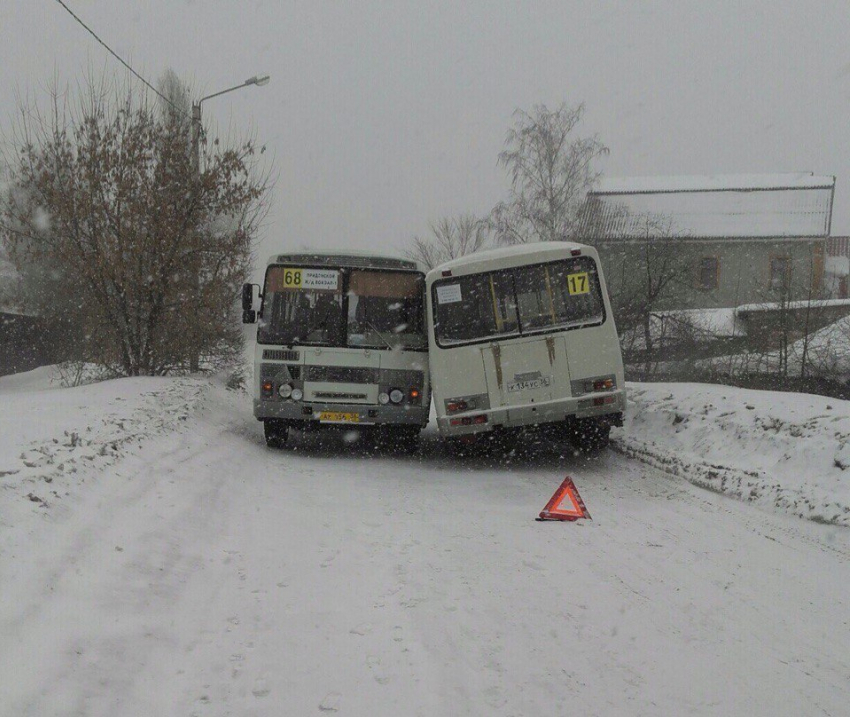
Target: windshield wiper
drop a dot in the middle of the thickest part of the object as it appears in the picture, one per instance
(389, 345)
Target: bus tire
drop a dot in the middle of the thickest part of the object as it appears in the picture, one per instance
(276, 432)
(590, 435)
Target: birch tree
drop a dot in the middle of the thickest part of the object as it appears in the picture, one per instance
(551, 170)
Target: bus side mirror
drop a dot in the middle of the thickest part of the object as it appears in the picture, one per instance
(249, 317)
(247, 299)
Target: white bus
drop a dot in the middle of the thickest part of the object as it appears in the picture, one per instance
(341, 342)
(524, 336)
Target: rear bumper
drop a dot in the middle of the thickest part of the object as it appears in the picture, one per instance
(565, 410)
(300, 413)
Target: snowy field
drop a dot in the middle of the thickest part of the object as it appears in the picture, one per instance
(157, 559)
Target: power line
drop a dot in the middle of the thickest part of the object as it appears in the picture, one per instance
(117, 57)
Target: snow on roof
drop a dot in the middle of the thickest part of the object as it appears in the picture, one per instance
(790, 305)
(741, 206)
(710, 322)
(714, 183)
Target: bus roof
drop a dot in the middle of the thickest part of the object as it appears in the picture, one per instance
(350, 257)
(512, 256)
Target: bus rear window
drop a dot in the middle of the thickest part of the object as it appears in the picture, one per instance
(472, 307)
(519, 301)
(561, 294)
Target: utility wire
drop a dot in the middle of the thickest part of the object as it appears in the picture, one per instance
(117, 57)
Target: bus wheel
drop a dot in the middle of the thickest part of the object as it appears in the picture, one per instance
(276, 432)
(590, 435)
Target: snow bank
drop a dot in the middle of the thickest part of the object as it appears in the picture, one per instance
(52, 439)
(827, 355)
(786, 451)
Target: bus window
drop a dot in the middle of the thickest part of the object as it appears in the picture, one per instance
(475, 307)
(534, 298)
(576, 292)
(302, 306)
(559, 294)
(386, 309)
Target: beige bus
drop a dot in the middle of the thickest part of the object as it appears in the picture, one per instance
(524, 336)
(341, 343)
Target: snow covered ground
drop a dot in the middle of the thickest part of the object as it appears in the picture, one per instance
(826, 352)
(186, 569)
(788, 451)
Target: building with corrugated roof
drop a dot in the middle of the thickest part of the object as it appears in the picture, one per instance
(741, 238)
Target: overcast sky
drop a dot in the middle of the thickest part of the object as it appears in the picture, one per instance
(383, 116)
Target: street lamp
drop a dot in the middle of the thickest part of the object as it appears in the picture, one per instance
(258, 80)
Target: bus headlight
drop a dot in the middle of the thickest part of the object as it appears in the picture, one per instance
(396, 395)
(297, 394)
(285, 390)
(383, 398)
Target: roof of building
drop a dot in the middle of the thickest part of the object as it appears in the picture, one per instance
(714, 183)
(717, 206)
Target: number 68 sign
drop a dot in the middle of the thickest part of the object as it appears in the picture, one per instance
(578, 283)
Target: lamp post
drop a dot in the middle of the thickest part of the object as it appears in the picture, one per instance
(259, 81)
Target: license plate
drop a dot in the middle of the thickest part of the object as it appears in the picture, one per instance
(337, 417)
(530, 384)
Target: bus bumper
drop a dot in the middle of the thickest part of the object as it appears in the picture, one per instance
(311, 415)
(565, 410)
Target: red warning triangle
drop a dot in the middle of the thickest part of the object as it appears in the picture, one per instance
(566, 504)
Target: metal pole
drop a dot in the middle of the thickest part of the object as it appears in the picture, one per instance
(196, 137)
(194, 360)
(197, 128)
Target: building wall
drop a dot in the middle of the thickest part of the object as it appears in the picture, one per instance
(743, 275)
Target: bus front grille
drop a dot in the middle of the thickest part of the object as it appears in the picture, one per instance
(280, 355)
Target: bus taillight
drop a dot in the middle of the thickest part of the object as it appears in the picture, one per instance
(469, 420)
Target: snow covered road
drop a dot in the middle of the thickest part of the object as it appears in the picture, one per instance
(207, 575)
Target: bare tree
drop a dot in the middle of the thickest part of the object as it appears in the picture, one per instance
(108, 218)
(551, 171)
(451, 237)
(650, 272)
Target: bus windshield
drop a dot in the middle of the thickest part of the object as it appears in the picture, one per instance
(355, 308)
(517, 302)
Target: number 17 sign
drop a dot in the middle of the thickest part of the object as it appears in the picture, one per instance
(578, 283)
